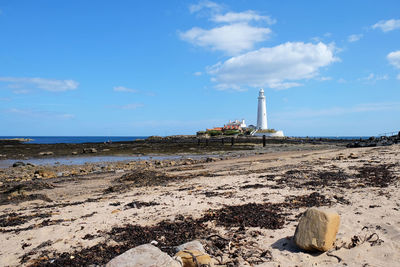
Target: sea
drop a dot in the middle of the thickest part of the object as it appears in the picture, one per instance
(75, 139)
(102, 139)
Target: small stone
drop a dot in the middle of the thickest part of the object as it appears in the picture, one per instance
(211, 159)
(74, 153)
(143, 256)
(44, 174)
(193, 258)
(353, 156)
(340, 157)
(90, 150)
(46, 153)
(317, 230)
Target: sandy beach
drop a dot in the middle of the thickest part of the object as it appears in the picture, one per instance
(243, 207)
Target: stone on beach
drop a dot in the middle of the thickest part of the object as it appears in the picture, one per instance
(18, 164)
(46, 153)
(192, 245)
(90, 150)
(317, 230)
(193, 258)
(44, 174)
(143, 256)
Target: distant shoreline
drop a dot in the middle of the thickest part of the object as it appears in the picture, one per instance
(102, 139)
(155, 145)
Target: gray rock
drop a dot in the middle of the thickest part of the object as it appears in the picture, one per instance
(192, 245)
(143, 256)
(211, 159)
(18, 164)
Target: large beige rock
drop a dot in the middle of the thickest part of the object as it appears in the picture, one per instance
(317, 230)
(194, 258)
(143, 256)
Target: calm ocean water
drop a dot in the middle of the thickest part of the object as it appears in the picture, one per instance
(75, 139)
(101, 139)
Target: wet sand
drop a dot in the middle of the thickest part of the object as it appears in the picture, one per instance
(244, 207)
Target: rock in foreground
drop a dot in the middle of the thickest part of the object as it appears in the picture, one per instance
(194, 258)
(317, 230)
(143, 256)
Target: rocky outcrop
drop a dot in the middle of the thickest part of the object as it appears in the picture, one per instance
(317, 230)
(374, 141)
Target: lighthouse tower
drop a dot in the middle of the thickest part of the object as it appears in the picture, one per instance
(262, 111)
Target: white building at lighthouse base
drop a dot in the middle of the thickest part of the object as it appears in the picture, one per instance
(275, 134)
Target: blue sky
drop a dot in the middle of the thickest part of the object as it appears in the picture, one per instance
(131, 68)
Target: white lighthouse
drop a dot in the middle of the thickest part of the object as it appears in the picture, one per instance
(262, 112)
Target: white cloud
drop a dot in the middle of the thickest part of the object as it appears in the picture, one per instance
(197, 73)
(245, 16)
(387, 25)
(40, 113)
(337, 111)
(370, 77)
(232, 38)
(394, 58)
(124, 89)
(354, 38)
(204, 5)
(322, 79)
(373, 77)
(21, 92)
(278, 67)
(318, 39)
(129, 106)
(41, 83)
(398, 77)
(382, 77)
